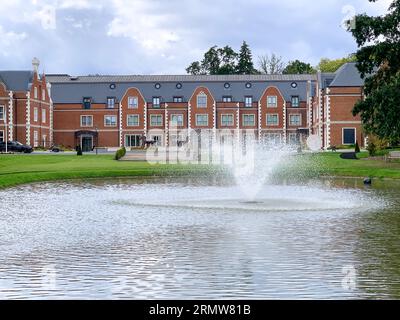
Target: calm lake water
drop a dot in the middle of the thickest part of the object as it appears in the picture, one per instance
(184, 239)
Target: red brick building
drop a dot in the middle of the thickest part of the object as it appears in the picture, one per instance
(114, 111)
(26, 107)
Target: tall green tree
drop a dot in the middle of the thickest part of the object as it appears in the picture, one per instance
(211, 61)
(195, 68)
(245, 64)
(228, 60)
(328, 65)
(298, 67)
(378, 39)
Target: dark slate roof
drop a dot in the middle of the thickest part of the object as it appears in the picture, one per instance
(65, 90)
(177, 78)
(325, 79)
(17, 80)
(348, 76)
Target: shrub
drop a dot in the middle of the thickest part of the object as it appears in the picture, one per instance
(120, 153)
(357, 148)
(371, 148)
(78, 151)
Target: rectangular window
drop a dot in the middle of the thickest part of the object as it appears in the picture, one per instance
(2, 112)
(272, 120)
(133, 102)
(110, 103)
(177, 120)
(201, 101)
(202, 120)
(349, 136)
(2, 136)
(272, 101)
(87, 103)
(295, 120)
(226, 99)
(248, 120)
(293, 138)
(43, 94)
(156, 102)
(274, 138)
(248, 102)
(227, 120)
(178, 99)
(295, 102)
(35, 93)
(133, 120)
(110, 121)
(35, 139)
(86, 121)
(43, 115)
(133, 140)
(44, 141)
(35, 114)
(156, 120)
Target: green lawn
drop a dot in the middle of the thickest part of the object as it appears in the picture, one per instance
(21, 169)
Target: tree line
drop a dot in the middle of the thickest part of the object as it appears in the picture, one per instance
(226, 60)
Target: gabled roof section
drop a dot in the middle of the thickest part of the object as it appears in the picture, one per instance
(347, 76)
(17, 80)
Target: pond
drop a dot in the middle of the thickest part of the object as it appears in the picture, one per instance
(200, 239)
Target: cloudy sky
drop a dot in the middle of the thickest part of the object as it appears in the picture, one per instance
(163, 36)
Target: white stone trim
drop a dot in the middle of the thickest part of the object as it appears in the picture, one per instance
(10, 117)
(120, 124)
(28, 118)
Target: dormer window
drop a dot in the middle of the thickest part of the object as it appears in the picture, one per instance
(226, 99)
(87, 103)
(110, 102)
(201, 101)
(295, 101)
(156, 102)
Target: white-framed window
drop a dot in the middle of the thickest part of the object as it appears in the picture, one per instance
(177, 99)
(35, 93)
(272, 101)
(202, 120)
(295, 119)
(35, 139)
(156, 120)
(272, 119)
(43, 94)
(201, 100)
(293, 138)
(273, 137)
(133, 140)
(86, 121)
(249, 120)
(110, 103)
(44, 115)
(227, 99)
(2, 112)
(295, 101)
(349, 136)
(132, 120)
(156, 102)
(227, 120)
(110, 121)
(133, 102)
(177, 120)
(44, 141)
(248, 101)
(35, 114)
(2, 138)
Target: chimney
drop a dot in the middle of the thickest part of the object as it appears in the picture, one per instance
(35, 64)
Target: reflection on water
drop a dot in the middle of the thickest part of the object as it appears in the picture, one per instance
(200, 239)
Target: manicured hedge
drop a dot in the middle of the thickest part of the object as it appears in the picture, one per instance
(120, 153)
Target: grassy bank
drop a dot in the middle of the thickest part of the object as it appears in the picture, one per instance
(22, 169)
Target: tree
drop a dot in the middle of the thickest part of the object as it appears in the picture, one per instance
(245, 64)
(298, 67)
(378, 60)
(271, 64)
(327, 65)
(211, 62)
(194, 68)
(228, 60)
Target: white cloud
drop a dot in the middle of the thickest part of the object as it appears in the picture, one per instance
(10, 41)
